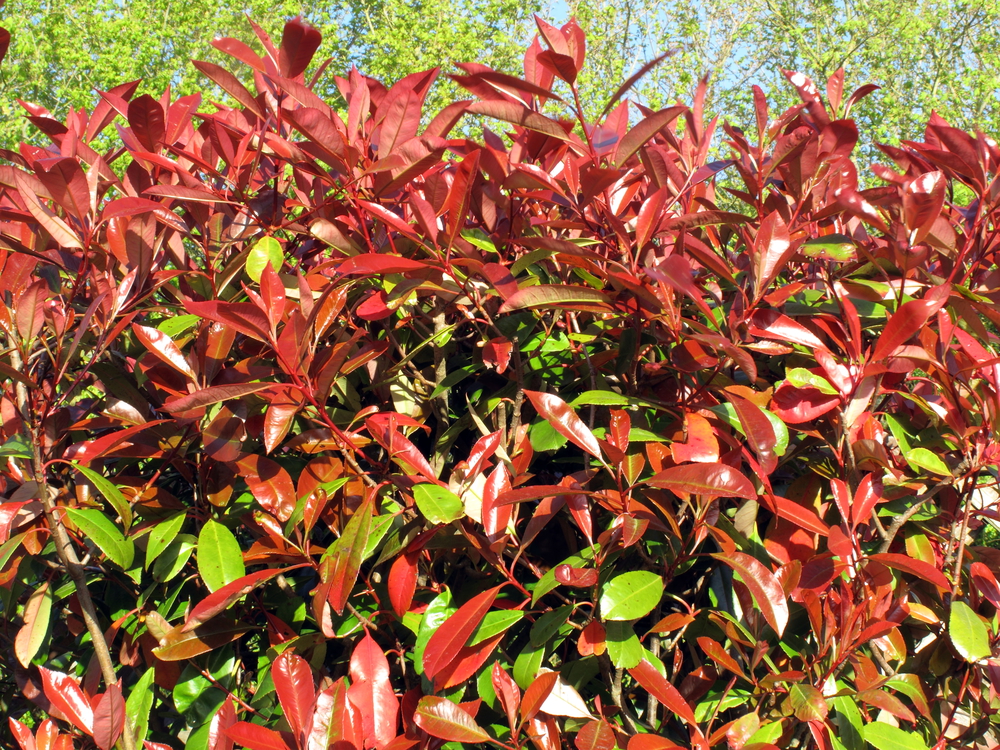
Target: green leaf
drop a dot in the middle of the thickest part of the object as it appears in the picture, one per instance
(968, 633)
(267, 249)
(838, 247)
(220, 560)
(438, 504)
(111, 493)
(380, 526)
(549, 624)
(849, 723)
(494, 623)
(178, 325)
(800, 377)
(807, 702)
(629, 596)
(527, 664)
(601, 398)
(887, 737)
(439, 610)
(161, 535)
(624, 648)
(544, 437)
(102, 532)
(548, 581)
(17, 446)
(173, 559)
(923, 458)
(139, 704)
(728, 413)
(899, 432)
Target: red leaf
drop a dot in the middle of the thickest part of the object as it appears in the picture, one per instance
(702, 446)
(454, 633)
(212, 395)
(466, 663)
(653, 742)
(564, 420)
(339, 569)
(770, 324)
(867, 496)
(496, 516)
(30, 313)
(220, 600)
(660, 688)
(331, 721)
(536, 693)
(270, 484)
(371, 692)
(595, 735)
(65, 694)
(441, 718)
(163, 347)
(772, 249)
(985, 583)
(923, 198)
(299, 42)
(243, 316)
(293, 682)
(800, 515)
(67, 184)
(797, 405)
(403, 582)
(765, 589)
(129, 207)
(256, 737)
(567, 575)
(643, 133)
(496, 353)
(507, 693)
(720, 656)
(908, 320)
(109, 717)
(715, 480)
(60, 231)
(373, 263)
(230, 84)
(518, 114)
(223, 719)
(758, 430)
(317, 126)
(146, 117)
(675, 271)
(919, 568)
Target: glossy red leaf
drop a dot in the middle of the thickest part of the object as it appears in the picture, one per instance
(660, 688)
(907, 322)
(701, 445)
(179, 644)
(371, 692)
(256, 737)
(373, 264)
(402, 582)
(765, 589)
(720, 656)
(163, 348)
(242, 316)
(466, 663)
(715, 480)
(797, 405)
(564, 420)
(65, 694)
(536, 693)
(109, 717)
(496, 515)
(596, 735)
(331, 718)
(643, 133)
(293, 682)
(299, 42)
(772, 250)
(339, 570)
(446, 642)
(923, 199)
(507, 693)
(269, 483)
(985, 583)
(441, 718)
(567, 575)
(60, 231)
(496, 354)
(68, 186)
(654, 742)
(22, 734)
(919, 568)
(223, 719)
(866, 498)
(758, 429)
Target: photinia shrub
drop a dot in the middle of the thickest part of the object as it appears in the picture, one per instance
(325, 428)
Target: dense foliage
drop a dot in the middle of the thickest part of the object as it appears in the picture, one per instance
(927, 55)
(322, 428)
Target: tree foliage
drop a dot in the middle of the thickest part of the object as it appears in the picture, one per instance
(324, 427)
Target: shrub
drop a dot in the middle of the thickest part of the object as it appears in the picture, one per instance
(331, 431)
